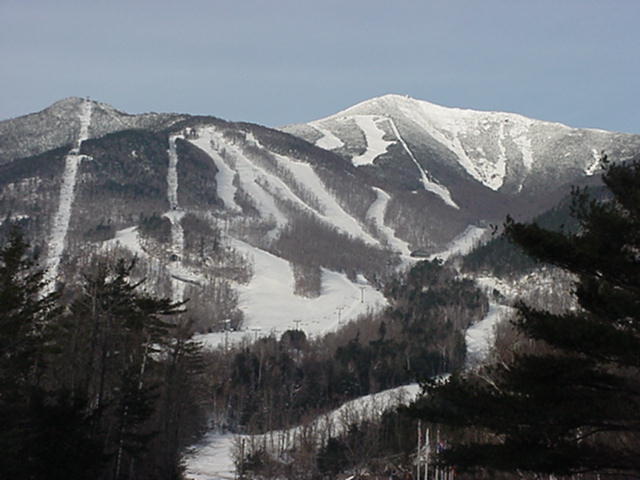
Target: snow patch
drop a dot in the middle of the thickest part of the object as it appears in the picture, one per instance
(593, 168)
(328, 141)
(462, 244)
(376, 145)
(376, 212)
(481, 336)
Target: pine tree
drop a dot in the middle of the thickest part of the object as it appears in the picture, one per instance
(570, 402)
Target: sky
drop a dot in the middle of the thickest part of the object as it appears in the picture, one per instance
(280, 62)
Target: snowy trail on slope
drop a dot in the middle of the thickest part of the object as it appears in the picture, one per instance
(428, 184)
(480, 337)
(374, 136)
(62, 217)
(213, 457)
(175, 215)
(226, 190)
(270, 305)
(251, 181)
(462, 244)
(328, 141)
(376, 215)
(333, 213)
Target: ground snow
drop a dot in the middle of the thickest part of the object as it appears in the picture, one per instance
(462, 244)
(226, 190)
(212, 458)
(480, 337)
(270, 305)
(333, 213)
(328, 141)
(376, 215)
(62, 217)
(376, 144)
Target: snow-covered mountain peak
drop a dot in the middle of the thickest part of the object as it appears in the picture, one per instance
(501, 151)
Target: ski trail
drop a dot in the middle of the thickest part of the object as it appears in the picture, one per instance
(428, 184)
(374, 137)
(376, 215)
(213, 457)
(62, 217)
(226, 190)
(176, 270)
(328, 141)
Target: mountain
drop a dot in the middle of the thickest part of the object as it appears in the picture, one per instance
(465, 158)
(263, 228)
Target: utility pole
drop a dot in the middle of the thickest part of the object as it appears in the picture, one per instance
(297, 322)
(362, 294)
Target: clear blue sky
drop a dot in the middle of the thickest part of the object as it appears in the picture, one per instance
(277, 62)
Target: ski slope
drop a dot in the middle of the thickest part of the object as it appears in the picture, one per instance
(481, 336)
(375, 214)
(328, 141)
(462, 244)
(332, 212)
(176, 269)
(270, 305)
(60, 226)
(212, 458)
(226, 190)
(376, 144)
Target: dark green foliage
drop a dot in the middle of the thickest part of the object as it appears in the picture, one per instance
(100, 389)
(501, 257)
(568, 400)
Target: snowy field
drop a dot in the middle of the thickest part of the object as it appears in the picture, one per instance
(270, 305)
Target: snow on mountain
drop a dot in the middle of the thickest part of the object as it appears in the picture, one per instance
(328, 141)
(480, 337)
(374, 138)
(224, 178)
(462, 244)
(270, 305)
(213, 457)
(376, 215)
(501, 151)
(60, 225)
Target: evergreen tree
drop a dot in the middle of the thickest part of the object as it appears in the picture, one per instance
(570, 401)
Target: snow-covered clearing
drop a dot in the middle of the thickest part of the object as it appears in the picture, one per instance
(60, 225)
(376, 145)
(595, 164)
(212, 458)
(226, 190)
(462, 244)
(376, 215)
(428, 184)
(270, 305)
(328, 141)
(480, 337)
